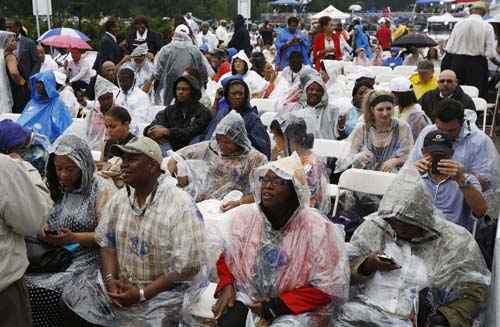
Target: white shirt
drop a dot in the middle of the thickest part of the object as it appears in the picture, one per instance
(79, 71)
(67, 96)
(137, 103)
(221, 34)
(472, 37)
(209, 39)
(48, 64)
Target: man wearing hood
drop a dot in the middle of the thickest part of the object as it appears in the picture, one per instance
(175, 126)
(320, 116)
(171, 62)
(407, 247)
(241, 38)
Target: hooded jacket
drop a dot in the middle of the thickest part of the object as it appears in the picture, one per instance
(256, 83)
(241, 38)
(184, 120)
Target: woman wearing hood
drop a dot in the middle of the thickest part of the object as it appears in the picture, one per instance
(224, 164)
(79, 197)
(171, 62)
(241, 65)
(410, 264)
(177, 125)
(139, 61)
(320, 116)
(284, 263)
(290, 135)
(241, 37)
(236, 96)
(46, 113)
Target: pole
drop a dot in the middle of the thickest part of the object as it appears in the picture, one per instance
(49, 12)
(35, 3)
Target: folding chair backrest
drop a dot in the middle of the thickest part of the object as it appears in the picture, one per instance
(482, 106)
(268, 117)
(13, 117)
(263, 105)
(405, 70)
(470, 90)
(386, 77)
(379, 70)
(331, 148)
(366, 181)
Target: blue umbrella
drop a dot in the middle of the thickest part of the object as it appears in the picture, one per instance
(64, 31)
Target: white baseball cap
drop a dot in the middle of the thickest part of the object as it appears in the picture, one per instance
(400, 84)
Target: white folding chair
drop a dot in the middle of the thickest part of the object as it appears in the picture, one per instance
(481, 106)
(386, 78)
(263, 105)
(380, 70)
(267, 118)
(405, 70)
(330, 148)
(10, 116)
(366, 181)
(470, 90)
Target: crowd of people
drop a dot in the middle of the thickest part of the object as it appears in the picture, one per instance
(174, 181)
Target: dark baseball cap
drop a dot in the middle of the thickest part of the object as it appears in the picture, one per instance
(437, 141)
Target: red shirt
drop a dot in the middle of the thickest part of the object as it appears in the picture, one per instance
(384, 37)
(225, 67)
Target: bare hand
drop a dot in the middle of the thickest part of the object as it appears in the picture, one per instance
(112, 286)
(390, 164)
(230, 205)
(127, 294)
(172, 167)
(147, 87)
(256, 308)
(158, 132)
(451, 168)
(425, 164)
(65, 236)
(373, 264)
(225, 300)
(182, 181)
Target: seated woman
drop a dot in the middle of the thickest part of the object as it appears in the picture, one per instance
(409, 263)
(408, 110)
(241, 65)
(221, 165)
(380, 142)
(79, 198)
(378, 56)
(283, 260)
(361, 58)
(290, 135)
(117, 121)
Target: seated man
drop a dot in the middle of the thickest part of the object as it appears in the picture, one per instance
(283, 260)
(151, 239)
(423, 80)
(447, 88)
(176, 126)
(404, 248)
(455, 193)
(78, 71)
(290, 76)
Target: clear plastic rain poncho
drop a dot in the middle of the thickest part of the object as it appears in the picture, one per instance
(96, 130)
(6, 100)
(165, 238)
(297, 139)
(371, 147)
(446, 259)
(321, 119)
(308, 251)
(144, 71)
(211, 174)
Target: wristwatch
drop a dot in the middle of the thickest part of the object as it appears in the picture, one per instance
(142, 298)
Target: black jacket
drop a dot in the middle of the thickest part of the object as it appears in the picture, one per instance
(28, 61)
(184, 121)
(109, 50)
(153, 41)
(430, 100)
(241, 38)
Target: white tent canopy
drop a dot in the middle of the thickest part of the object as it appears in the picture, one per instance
(332, 12)
(446, 18)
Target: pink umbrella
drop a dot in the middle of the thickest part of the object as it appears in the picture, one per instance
(67, 42)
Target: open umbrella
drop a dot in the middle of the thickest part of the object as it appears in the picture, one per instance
(417, 40)
(66, 42)
(63, 31)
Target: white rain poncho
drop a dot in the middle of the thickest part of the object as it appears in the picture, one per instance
(6, 100)
(321, 119)
(298, 139)
(446, 259)
(137, 103)
(256, 83)
(308, 251)
(165, 238)
(144, 71)
(337, 85)
(288, 80)
(94, 121)
(171, 62)
(211, 174)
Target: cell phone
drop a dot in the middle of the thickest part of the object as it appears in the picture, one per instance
(436, 158)
(385, 258)
(51, 232)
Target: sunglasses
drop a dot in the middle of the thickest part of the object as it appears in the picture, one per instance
(446, 81)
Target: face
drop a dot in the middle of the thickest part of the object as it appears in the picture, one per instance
(141, 28)
(126, 79)
(108, 71)
(40, 52)
(292, 27)
(40, 88)
(204, 29)
(383, 113)
(451, 129)
(275, 191)
(215, 62)
(378, 51)
(115, 129)
(226, 145)
(324, 75)
(447, 83)
(183, 91)
(236, 96)
(239, 66)
(314, 94)
(75, 54)
(139, 60)
(12, 44)
(268, 72)
(296, 64)
(279, 139)
(105, 102)
(405, 231)
(68, 173)
(329, 27)
(361, 53)
(137, 169)
(114, 29)
(425, 75)
(359, 96)
(10, 26)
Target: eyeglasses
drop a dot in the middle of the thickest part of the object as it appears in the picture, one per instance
(273, 181)
(442, 81)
